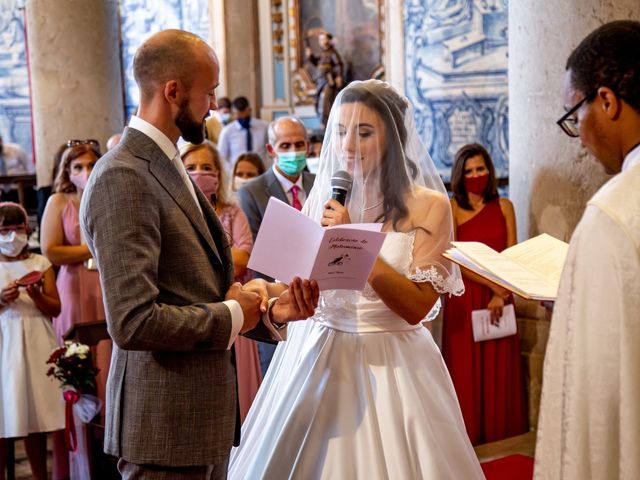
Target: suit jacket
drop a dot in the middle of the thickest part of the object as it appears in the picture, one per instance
(165, 269)
(254, 196)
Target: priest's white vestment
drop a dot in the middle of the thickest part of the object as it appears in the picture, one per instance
(589, 425)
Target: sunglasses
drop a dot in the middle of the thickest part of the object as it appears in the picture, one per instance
(89, 141)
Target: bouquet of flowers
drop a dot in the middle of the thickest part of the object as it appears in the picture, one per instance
(73, 366)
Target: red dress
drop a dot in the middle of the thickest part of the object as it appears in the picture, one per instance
(487, 375)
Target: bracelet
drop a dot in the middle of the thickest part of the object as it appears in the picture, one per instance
(276, 325)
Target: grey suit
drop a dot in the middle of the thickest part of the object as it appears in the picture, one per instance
(253, 199)
(254, 196)
(165, 269)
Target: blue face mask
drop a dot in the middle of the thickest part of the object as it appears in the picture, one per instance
(292, 163)
(225, 118)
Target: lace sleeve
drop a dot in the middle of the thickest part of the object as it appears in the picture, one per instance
(452, 284)
(434, 231)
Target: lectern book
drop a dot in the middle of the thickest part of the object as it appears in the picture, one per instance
(530, 269)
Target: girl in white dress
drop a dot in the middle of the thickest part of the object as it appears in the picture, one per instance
(360, 391)
(30, 402)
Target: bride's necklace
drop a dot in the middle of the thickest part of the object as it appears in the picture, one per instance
(366, 209)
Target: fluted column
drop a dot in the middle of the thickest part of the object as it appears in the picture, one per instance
(76, 78)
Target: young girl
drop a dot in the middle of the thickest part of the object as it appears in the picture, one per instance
(30, 403)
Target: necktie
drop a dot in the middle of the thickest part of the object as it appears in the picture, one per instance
(245, 123)
(295, 201)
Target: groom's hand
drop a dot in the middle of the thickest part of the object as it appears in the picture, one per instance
(298, 302)
(249, 302)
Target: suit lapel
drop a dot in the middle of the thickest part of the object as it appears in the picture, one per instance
(273, 188)
(162, 168)
(307, 182)
(218, 234)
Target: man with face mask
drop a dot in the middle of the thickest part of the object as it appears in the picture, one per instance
(286, 180)
(245, 134)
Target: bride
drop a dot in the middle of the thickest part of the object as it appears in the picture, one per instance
(360, 391)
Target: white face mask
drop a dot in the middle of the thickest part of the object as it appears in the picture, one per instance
(12, 243)
(239, 182)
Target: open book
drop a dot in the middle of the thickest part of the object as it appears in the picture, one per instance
(290, 244)
(530, 269)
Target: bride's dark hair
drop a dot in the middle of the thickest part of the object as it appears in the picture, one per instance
(390, 107)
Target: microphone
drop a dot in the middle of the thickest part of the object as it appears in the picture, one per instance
(340, 186)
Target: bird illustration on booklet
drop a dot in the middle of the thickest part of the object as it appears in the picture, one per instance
(290, 244)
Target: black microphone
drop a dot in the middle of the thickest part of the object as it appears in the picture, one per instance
(340, 186)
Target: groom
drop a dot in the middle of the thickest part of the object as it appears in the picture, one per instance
(166, 271)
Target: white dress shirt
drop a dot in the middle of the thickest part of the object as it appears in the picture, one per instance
(287, 184)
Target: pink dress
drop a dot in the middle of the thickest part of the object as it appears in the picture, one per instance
(235, 223)
(80, 296)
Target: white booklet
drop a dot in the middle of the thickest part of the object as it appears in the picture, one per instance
(530, 269)
(290, 244)
(483, 329)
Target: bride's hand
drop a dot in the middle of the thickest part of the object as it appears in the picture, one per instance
(334, 214)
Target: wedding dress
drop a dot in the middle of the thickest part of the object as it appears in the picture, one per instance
(356, 392)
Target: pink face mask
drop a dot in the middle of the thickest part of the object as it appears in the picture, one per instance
(476, 184)
(207, 181)
(79, 179)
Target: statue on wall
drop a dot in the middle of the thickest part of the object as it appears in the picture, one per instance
(329, 76)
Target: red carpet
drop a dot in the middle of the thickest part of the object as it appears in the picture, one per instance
(513, 467)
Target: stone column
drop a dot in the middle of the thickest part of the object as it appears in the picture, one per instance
(76, 77)
(242, 52)
(551, 176)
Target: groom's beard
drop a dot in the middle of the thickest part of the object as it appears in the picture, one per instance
(191, 130)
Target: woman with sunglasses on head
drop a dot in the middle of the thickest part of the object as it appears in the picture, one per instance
(61, 241)
(203, 165)
(487, 375)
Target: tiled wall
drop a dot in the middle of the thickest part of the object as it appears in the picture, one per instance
(141, 18)
(15, 112)
(456, 76)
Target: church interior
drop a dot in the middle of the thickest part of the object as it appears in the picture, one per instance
(475, 71)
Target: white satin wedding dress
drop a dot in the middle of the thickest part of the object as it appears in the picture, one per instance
(357, 393)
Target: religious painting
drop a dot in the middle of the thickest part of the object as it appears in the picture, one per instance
(357, 38)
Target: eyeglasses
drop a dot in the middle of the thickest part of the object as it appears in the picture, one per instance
(88, 141)
(568, 123)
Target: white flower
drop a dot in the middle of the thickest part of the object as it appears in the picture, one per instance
(71, 349)
(76, 349)
(82, 350)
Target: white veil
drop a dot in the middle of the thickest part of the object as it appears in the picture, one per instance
(371, 134)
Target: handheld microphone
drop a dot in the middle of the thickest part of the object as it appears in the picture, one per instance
(341, 186)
